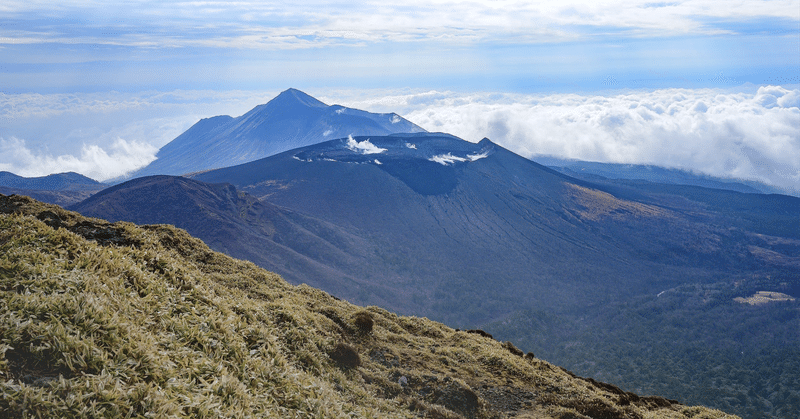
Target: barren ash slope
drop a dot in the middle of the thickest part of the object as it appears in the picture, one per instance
(118, 320)
(290, 120)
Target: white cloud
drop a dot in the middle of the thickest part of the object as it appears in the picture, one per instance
(94, 161)
(261, 25)
(363, 147)
(750, 135)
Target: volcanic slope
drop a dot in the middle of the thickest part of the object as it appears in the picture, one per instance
(467, 231)
(239, 225)
(60, 188)
(292, 119)
(117, 320)
(476, 236)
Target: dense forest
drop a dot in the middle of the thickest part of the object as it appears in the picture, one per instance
(737, 357)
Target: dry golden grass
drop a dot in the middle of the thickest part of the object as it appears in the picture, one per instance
(116, 320)
(597, 205)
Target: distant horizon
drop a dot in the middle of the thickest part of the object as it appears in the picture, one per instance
(98, 88)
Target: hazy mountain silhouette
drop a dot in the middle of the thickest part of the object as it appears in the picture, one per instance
(60, 188)
(54, 182)
(292, 119)
(596, 171)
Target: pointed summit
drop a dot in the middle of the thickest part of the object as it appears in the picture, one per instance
(291, 104)
(293, 97)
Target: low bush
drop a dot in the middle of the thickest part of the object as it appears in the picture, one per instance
(363, 321)
(345, 356)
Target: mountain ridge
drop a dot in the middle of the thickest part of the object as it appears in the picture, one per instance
(58, 188)
(232, 222)
(52, 182)
(597, 172)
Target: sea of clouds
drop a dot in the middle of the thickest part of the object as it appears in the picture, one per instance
(750, 133)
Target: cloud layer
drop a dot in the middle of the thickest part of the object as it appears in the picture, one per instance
(94, 161)
(484, 45)
(750, 135)
(259, 25)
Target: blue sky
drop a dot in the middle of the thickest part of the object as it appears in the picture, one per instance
(519, 46)
(85, 81)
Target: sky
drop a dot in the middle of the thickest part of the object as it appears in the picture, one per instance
(714, 87)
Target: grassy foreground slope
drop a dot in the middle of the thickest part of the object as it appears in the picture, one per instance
(117, 320)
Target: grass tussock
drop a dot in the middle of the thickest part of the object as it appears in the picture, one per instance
(117, 320)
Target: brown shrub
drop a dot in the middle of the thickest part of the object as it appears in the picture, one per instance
(345, 356)
(480, 332)
(363, 321)
(513, 349)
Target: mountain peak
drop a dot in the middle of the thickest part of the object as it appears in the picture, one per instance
(290, 120)
(295, 97)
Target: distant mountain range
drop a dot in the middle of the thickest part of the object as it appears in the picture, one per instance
(70, 181)
(595, 171)
(60, 188)
(474, 235)
(292, 119)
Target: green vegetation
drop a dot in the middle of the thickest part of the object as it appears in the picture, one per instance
(737, 357)
(116, 320)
